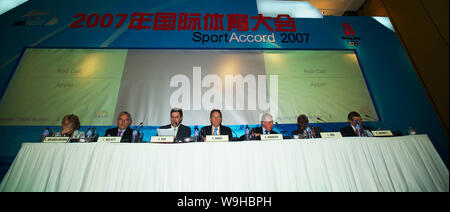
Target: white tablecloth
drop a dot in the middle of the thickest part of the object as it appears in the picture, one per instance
(408, 163)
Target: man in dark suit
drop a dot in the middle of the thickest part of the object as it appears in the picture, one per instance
(266, 127)
(303, 123)
(123, 127)
(353, 118)
(181, 131)
(216, 127)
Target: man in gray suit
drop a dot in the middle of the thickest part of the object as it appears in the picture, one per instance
(181, 131)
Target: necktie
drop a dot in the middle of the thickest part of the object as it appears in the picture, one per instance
(215, 131)
(120, 132)
(266, 132)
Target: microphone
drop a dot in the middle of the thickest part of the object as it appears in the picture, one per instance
(367, 117)
(236, 138)
(395, 132)
(136, 135)
(282, 129)
(370, 117)
(325, 123)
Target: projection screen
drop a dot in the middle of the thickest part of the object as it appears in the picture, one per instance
(97, 84)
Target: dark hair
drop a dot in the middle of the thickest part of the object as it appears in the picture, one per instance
(72, 119)
(177, 110)
(353, 114)
(215, 110)
(302, 116)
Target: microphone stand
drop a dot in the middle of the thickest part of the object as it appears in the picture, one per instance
(283, 130)
(396, 132)
(325, 123)
(236, 138)
(138, 134)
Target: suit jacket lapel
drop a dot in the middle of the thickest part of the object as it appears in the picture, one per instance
(126, 132)
(178, 131)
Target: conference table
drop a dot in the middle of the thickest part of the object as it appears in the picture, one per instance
(406, 163)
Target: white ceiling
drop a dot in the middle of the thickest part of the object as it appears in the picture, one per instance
(6, 5)
(335, 7)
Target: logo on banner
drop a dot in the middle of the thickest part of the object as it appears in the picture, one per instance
(350, 37)
(348, 29)
(36, 18)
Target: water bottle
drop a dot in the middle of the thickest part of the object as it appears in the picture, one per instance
(247, 133)
(134, 136)
(45, 133)
(196, 134)
(358, 129)
(411, 131)
(89, 135)
(308, 132)
(94, 135)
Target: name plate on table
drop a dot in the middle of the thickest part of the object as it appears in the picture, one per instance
(331, 134)
(382, 133)
(216, 138)
(268, 137)
(109, 139)
(56, 140)
(162, 139)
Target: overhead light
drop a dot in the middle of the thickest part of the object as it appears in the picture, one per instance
(385, 21)
(296, 9)
(6, 5)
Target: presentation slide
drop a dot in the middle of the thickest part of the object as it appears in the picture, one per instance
(51, 83)
(324, 84)
(97, 84)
